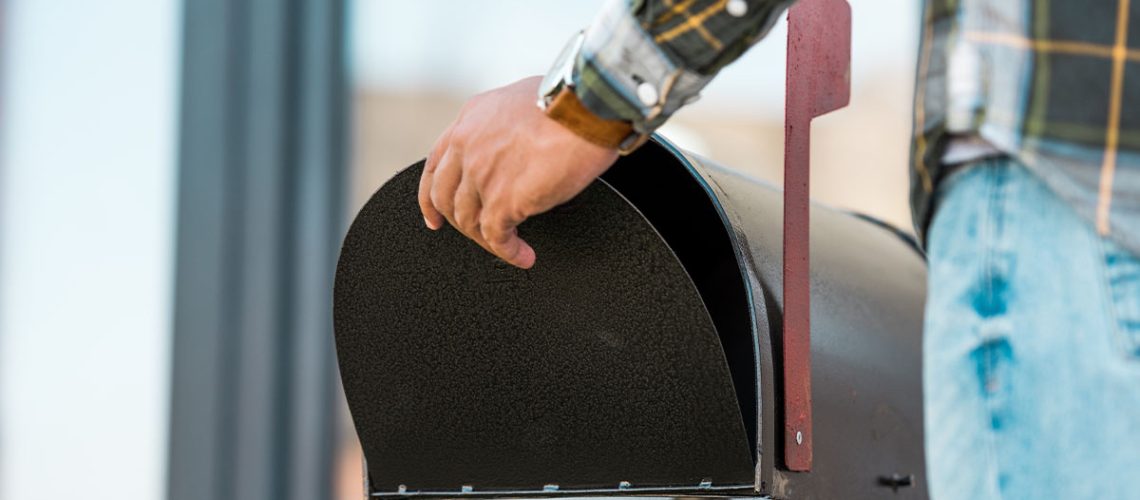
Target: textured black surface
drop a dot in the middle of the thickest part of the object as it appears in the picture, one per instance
(598, 366)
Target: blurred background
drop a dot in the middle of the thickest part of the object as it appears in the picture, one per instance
(414, 64)
(175, 177)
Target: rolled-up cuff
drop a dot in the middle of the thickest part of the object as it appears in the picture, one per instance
(623, 74)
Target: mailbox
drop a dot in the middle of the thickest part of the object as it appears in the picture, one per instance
(640, 355)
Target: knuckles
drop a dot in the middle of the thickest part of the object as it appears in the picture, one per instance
(467, 218)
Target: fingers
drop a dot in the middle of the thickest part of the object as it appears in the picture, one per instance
(446, 194)
(432, 218)
(456, 198)
(445, 180)
(467, 207)
(502, 239)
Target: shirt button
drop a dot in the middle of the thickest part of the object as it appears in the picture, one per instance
(647, 94)
(737, 8)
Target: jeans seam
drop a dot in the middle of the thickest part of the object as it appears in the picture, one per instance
(992, 233)
(1120, 342)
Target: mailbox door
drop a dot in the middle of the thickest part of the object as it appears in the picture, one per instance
(599, 370)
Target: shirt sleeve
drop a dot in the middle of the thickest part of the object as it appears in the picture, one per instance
(642, 60)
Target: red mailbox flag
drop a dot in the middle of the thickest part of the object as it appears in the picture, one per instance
(818, 82)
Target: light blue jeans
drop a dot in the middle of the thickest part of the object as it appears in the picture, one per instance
(1031, 346)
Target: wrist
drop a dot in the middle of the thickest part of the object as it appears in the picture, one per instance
(559, 100)
(623, 73)
(565, 109)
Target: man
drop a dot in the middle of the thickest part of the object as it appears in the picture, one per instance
(1025, 189)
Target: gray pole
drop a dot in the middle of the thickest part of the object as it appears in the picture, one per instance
(260, 214)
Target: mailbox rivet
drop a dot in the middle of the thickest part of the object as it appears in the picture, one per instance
(706, 483)
(799, 437)
(466, 489)
(550, 487)
(624, 485)
(402, 489)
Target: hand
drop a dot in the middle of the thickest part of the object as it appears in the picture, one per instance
(501, 161)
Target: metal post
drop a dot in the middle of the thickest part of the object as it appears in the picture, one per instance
(260, 214)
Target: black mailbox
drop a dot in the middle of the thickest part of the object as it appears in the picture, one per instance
(639, 356)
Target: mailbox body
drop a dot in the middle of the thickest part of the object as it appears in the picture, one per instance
(639, 356)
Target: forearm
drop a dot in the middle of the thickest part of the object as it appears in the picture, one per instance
(644, 59)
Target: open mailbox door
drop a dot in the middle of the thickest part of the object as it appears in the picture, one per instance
(639, 355)
(597, 370)
(654, 348)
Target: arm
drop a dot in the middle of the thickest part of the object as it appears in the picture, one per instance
(668, 49)
(504, 159)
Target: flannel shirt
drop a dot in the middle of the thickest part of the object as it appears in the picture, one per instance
(1048, 82)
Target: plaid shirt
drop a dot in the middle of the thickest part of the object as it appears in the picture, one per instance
(1048, 82)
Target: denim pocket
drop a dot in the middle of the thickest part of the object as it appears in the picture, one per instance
(1122, 277)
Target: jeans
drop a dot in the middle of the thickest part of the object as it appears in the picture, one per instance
(1031, 350)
